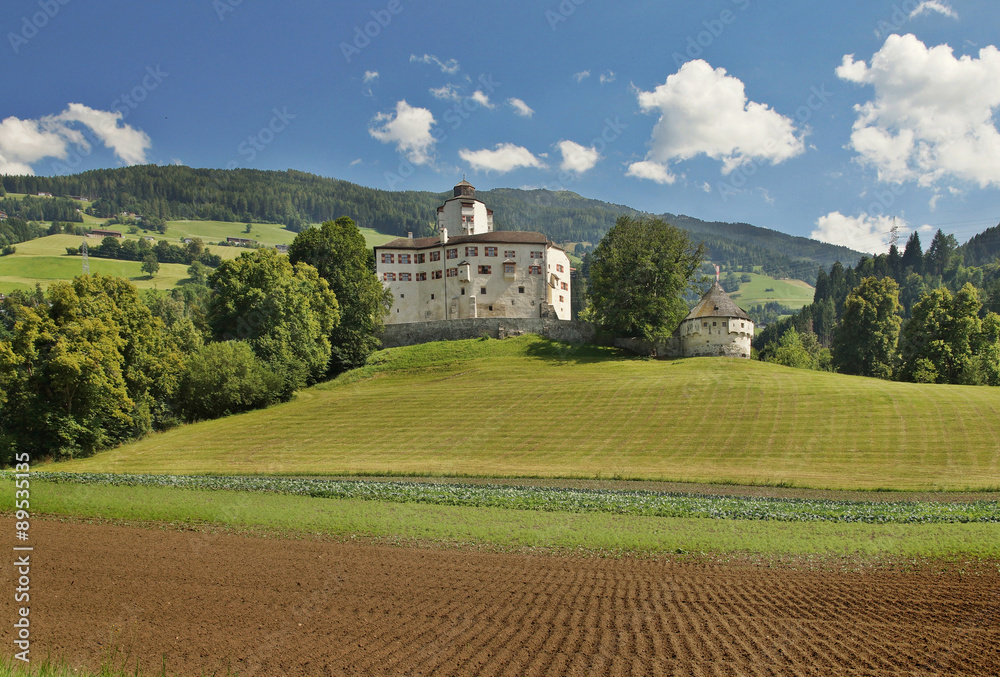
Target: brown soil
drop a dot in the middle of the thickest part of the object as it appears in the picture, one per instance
(205, 602)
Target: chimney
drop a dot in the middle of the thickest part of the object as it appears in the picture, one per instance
(444, 236)
(409, 234)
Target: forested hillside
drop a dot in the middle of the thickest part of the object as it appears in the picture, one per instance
(296, 199)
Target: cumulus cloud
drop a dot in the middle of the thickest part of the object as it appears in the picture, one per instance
(450, 66)
(448, 92)
(704, 111)
(581, 76)
(504, 158)
(577, 158)
(607, 76)
(520, 107)
(482, 99)
(654, 171)
(929, 6)
(371, 76)
(409, 127)
(864, 233)
(25, 142)
(932, 115)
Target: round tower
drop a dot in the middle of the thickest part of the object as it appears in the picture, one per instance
(716, 326)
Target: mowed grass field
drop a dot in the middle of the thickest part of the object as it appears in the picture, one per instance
(791, 293)
(530, 407)
(44, 260)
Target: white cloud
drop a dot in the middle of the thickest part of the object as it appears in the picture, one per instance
(482, 99)
(371, 76)
(606, 77)
(929, 6)
(520, 107)
(448, 92)
(409, 128)
(932, 116)
(703, 111)
(863, 232)
(24, 142)
(504, 158)
(653, 171)
(450, 66)
(577, 158)
(581, 76)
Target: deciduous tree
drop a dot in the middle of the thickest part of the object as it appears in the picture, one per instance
(864, 342)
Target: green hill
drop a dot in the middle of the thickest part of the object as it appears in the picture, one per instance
(532, 407)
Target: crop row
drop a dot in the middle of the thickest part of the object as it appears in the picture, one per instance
(648, 503)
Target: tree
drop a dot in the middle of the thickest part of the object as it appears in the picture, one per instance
(638, 273)
(150, 265)
(198, 272)
(225, 378)
(940, 343)
(338, 251)
(791, 353)
(913, 255)
(285, 313)
(864, 343)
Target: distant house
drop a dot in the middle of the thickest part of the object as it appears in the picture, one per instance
(81, 198)
(240, 241)
(3, 216)
(105, 233)
(283, 248)
(186, 240)
(149, 239)
(45, 195)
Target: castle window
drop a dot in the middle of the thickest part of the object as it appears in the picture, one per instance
(559, 268)
(491, 307)
(435, 256)
(421, 277)
(704, 324)
(508, 268)
(509, 254)
(404, 258)
(714, 324)
(472, 251)
(536, 255)
(485, 270)
(564, 286)
(491, 251)
(520, 290)
(453, 272)
(562, 300)
(463, 291)
(404, 277)
(389, 277)
(453, 253)
(432, 297)
(420, 258)
(387, 258)
(482, 290)
(436, 275)
(534, 270)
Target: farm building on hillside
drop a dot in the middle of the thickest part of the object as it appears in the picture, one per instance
(97, 232)
(715, 326)
(469, 270)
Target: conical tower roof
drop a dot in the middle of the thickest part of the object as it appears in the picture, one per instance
(716, 303)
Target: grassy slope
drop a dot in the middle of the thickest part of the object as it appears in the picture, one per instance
(44, 260)
(530, 407)
(791, 293)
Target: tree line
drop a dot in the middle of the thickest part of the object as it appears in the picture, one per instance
(911, 315)
(93, 363)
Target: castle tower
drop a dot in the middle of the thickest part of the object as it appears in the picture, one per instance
(716, 326)
(463, 214)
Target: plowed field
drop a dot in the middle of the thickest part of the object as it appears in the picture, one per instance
(206, 602)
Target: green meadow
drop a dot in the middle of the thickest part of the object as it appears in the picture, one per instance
(764, 289)
(530, 407)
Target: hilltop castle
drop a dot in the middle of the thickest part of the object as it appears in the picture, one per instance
(470, 271)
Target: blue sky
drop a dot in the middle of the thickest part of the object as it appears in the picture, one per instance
(816, 119)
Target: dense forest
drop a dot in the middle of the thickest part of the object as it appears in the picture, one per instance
(927, 316)
(296, 199)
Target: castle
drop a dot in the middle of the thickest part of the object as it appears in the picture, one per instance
(715, 326)
(471, 271)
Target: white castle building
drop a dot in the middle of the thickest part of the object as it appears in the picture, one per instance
(470, 270)
(715, 326)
